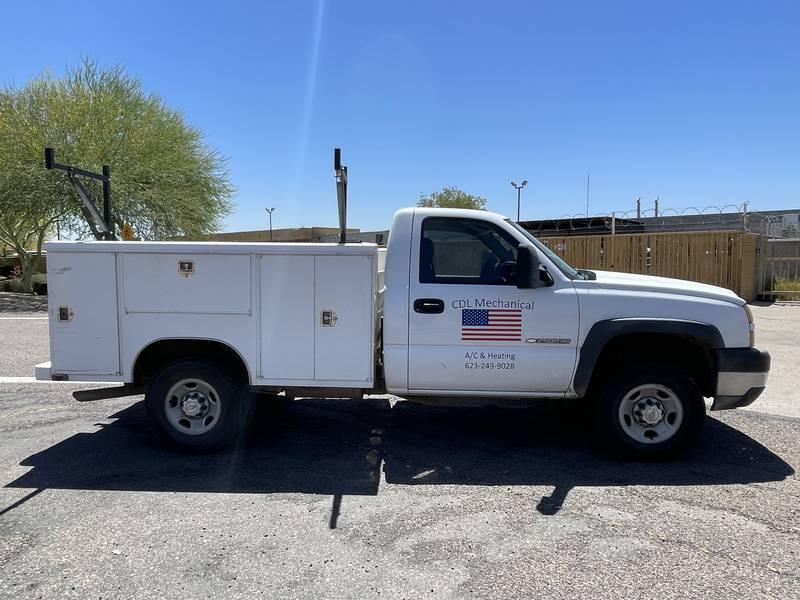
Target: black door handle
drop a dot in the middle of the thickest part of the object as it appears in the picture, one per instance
(432, 306)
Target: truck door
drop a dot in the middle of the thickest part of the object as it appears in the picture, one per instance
(470, 328)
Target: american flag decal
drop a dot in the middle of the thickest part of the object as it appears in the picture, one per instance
(493, 324)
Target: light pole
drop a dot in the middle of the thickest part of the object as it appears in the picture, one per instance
(269, 212)
(519, 192)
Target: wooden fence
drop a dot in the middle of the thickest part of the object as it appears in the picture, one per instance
(724, 258)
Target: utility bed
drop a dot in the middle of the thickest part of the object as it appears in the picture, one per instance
(297, 314)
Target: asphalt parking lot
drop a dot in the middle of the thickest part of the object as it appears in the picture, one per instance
(346, 499)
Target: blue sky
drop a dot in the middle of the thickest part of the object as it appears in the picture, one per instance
(695, 102)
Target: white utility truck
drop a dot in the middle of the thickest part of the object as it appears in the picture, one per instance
(461, 304)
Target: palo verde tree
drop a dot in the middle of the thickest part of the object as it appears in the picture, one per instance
(25, 219)
(451, 197)
(165, 181)
(30, 202)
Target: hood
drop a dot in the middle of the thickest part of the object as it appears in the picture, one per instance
(665, 285)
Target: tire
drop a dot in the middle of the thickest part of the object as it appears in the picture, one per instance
(196, 406)
(652, 411)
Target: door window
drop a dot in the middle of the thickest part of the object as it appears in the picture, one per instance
(466, 251)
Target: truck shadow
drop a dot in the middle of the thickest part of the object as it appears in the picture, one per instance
(340, 447)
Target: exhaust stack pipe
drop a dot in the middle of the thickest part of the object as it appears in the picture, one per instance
(341, 193)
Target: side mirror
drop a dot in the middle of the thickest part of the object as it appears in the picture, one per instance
(529, 274)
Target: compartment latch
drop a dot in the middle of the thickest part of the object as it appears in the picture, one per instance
(64, 313)
(328, 318)
(186, 267)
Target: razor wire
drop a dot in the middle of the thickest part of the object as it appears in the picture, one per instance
(690, 218)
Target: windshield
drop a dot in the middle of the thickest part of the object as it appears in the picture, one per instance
(559, 262)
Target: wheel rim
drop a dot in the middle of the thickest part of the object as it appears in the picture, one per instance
(192, 406)
(651, 413)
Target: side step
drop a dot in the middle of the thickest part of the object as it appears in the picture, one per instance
(118, 391)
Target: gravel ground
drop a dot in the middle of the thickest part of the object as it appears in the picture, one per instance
(361, 499)
(778, 331)
(23, 344)
(23, 334)
(357, 499)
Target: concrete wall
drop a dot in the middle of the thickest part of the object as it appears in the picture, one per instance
(299, 234)
(373, 237)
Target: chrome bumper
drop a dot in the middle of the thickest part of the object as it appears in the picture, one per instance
(742, 376)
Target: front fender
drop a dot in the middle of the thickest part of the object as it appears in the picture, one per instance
(603, 332)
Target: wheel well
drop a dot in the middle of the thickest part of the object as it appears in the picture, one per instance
(163, 352)
(686, 352)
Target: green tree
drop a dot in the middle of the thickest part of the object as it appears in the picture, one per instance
(451, 197)
(165, 181)
(28, 210)
(24, 230)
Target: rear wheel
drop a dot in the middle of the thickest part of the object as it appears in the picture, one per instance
(195, 405)
(650, 411)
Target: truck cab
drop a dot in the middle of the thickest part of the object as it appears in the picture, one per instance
(463, 317)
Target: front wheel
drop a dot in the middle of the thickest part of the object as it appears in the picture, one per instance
(195, 405)
(652, 411)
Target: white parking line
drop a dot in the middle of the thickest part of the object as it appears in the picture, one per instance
(34, 380)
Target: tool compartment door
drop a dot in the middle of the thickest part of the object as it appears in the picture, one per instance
(343, 352)
(82, 306)
(287, 318)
